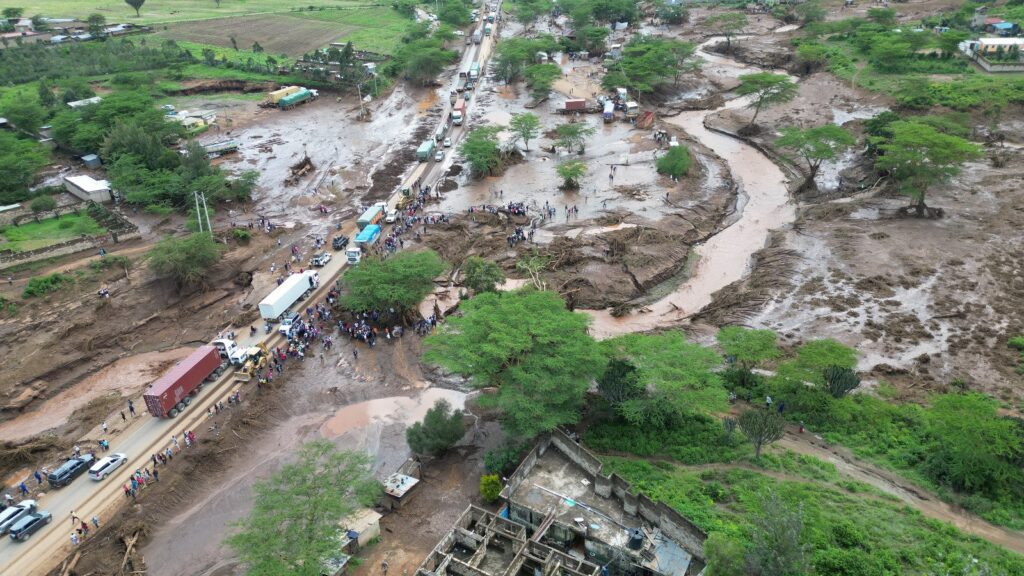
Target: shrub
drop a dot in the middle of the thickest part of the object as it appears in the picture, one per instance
(440, 429)
(675, 163)
(42, 285)
(43, 204)
(242, 235)
(490, 487)
(503, 460)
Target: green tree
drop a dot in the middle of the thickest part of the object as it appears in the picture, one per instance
(678, 378)
(620, 382)
(454, 12)
(440, 429)
(540, 78)
(815, 145)
(970, 446)
(96, 23)
(46, 96)
(136, 4)
(882, 16)
(22, 159)
(919, 156)
(675, 163)
(188, 261)
(11, 13)
(424, 59)
(777, 540)
(762, 427)
(724, 555)
(814, 357)
(949, 41)
(257, 48)
(525, 127)
(26, 114)
(43, 204)
(406, 8)
(482, 275)
(671, 13)
(766, 89)
(39, 23)
(293, 525)
(541, 363)
(480, 149)
(490, 487)
(840, 380)
(400, 282)
(570, 172)
(812, 56)
(728, 24)
(810, 12)
(573, 135)
(649, 63)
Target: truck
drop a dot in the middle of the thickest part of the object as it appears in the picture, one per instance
(632, 110)
(296, 98)
(478, 36)
(459, 112)
(276, 95)
(368, 237)
(293, 289)
(609, 110)
(169, 395)
(372, 215)
(487, 30)
(426, 150)
(575, 104)
(221, 147)
(474, 71)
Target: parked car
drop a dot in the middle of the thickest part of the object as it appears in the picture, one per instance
(439, 155)
(10, 516)
(102, 468)
(69, 470)
(287, 321)
(447, 142)
(339, 242)
(30, 525)
(320, 260)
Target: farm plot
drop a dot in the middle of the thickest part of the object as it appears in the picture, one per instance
(376, 29)
(277, 33)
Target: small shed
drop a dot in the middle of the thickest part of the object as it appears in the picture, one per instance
(398, 489)
(359, 528)
(91, 161)
(88, 188)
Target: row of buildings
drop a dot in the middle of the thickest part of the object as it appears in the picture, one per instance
(59, 30)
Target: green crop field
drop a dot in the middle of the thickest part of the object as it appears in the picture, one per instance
(160, 11)
(295, 33)
(34, 235)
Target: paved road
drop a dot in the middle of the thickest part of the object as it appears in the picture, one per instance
(146, 435)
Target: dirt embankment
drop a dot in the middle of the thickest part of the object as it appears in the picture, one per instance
(217, 86)
(60, 339)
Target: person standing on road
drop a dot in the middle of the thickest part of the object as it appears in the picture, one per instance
(39, 478)
(96, 522)
(131, 408)
(74, 519)
(174, 440)
(24, 489)
(74, 539)
(156, 475)
(104, 426)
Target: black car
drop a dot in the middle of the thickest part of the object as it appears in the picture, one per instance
(339, 242)
(69, 470)
(29, 525)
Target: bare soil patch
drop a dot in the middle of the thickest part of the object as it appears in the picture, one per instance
(277, 33)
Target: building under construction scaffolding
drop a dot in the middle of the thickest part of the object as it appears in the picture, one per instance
(563, 517)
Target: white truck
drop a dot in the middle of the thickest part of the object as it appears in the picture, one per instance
(289, 292)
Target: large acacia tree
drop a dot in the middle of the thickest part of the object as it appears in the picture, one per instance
(397, 283)
(527, 345)
(293, 526)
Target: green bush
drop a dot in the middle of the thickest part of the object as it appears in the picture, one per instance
(692, 440)
(1017, 342)
(241, 234)
(676, 162)
(43, 204)
(503, 460)
(42, 285)
(490, 487)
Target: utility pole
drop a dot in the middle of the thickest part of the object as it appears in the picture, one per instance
(199, 219)
(206, 211)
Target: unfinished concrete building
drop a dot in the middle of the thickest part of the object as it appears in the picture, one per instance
(563, 517)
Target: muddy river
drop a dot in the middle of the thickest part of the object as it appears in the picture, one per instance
(764, 205)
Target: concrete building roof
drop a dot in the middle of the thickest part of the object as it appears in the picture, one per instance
(1000, 41)
(88, 183)
(398, 485)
